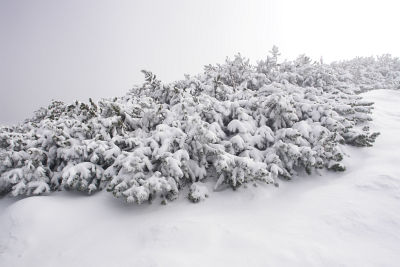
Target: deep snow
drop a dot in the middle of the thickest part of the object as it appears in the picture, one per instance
(332, 219)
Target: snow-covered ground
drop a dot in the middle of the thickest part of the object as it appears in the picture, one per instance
(333, 219)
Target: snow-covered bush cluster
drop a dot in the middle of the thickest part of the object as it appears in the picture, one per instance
(233, 124)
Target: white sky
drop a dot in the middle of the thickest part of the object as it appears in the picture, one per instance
(77, 49)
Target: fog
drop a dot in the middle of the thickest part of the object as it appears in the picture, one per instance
(77, 49)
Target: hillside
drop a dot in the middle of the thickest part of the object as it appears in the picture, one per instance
(333, 219)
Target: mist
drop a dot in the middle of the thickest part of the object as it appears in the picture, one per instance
(68, 50)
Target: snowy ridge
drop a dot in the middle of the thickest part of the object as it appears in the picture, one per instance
(234, 124)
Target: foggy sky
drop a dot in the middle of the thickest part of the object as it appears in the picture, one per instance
(77, 49)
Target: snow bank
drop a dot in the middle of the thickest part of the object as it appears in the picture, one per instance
(346, 219)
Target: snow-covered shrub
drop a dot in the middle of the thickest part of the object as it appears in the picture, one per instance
(197, 192)
(233, 124)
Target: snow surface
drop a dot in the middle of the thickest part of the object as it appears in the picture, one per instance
(332, 219)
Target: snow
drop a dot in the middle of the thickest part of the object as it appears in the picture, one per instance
(333, 219)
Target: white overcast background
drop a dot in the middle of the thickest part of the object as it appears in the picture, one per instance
(76, 49)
